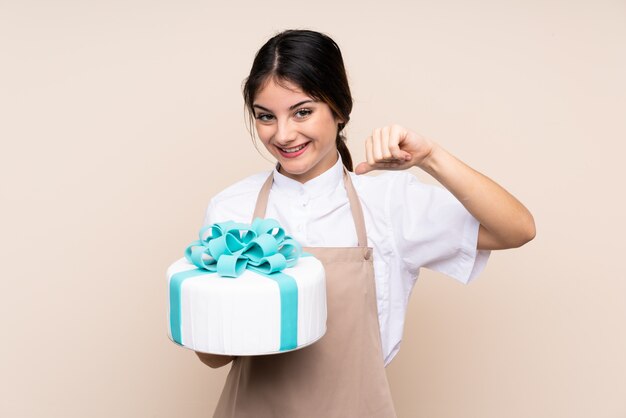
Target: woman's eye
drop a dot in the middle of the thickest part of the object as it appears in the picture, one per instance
(301, 113)
(264, 117)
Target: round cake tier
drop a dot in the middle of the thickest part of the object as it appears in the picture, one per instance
(242, 315)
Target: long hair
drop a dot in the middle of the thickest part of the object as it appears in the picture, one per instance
(313, 62)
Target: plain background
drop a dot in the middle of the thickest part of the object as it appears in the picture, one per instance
(120, 119)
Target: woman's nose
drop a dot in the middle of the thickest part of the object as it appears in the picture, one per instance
(285, 132)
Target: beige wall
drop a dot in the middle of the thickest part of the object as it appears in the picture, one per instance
(120, 119)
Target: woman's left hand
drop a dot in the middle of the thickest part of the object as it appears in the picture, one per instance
(504, 221)
(394, 148)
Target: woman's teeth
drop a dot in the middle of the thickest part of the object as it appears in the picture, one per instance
(294, 149)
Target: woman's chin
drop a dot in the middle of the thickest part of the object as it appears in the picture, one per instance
(300, 172)
(292, 170)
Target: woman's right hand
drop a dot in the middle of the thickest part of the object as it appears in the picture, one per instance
(214, 360)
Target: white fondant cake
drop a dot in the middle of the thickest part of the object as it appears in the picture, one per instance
(242, 315)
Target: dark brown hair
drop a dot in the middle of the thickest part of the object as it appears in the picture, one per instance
(313, 62)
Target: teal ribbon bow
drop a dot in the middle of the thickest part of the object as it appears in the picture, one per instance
(228, 249)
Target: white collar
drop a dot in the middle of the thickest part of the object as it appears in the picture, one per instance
(318, 186)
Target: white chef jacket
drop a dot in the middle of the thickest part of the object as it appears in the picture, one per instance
(409, 225)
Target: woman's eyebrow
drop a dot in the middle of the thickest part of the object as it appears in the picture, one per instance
(290, 107)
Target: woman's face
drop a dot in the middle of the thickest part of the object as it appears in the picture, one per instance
(297, 130)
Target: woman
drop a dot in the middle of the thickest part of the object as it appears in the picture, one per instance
(298, 94)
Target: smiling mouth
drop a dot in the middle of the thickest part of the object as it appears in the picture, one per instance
(293, 151)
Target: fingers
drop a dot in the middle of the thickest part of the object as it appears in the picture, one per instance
(369, 151)
(385, 145)
(380, 144)
(383, 150)
(397, 135)
(377, 146)
(381, 139)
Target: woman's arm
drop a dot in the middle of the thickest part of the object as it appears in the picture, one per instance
(213, 360)
(504, 221)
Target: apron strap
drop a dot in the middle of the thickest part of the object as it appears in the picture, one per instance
(264, 194)
(355, 205)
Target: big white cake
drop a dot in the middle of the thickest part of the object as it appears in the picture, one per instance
(254, 313)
